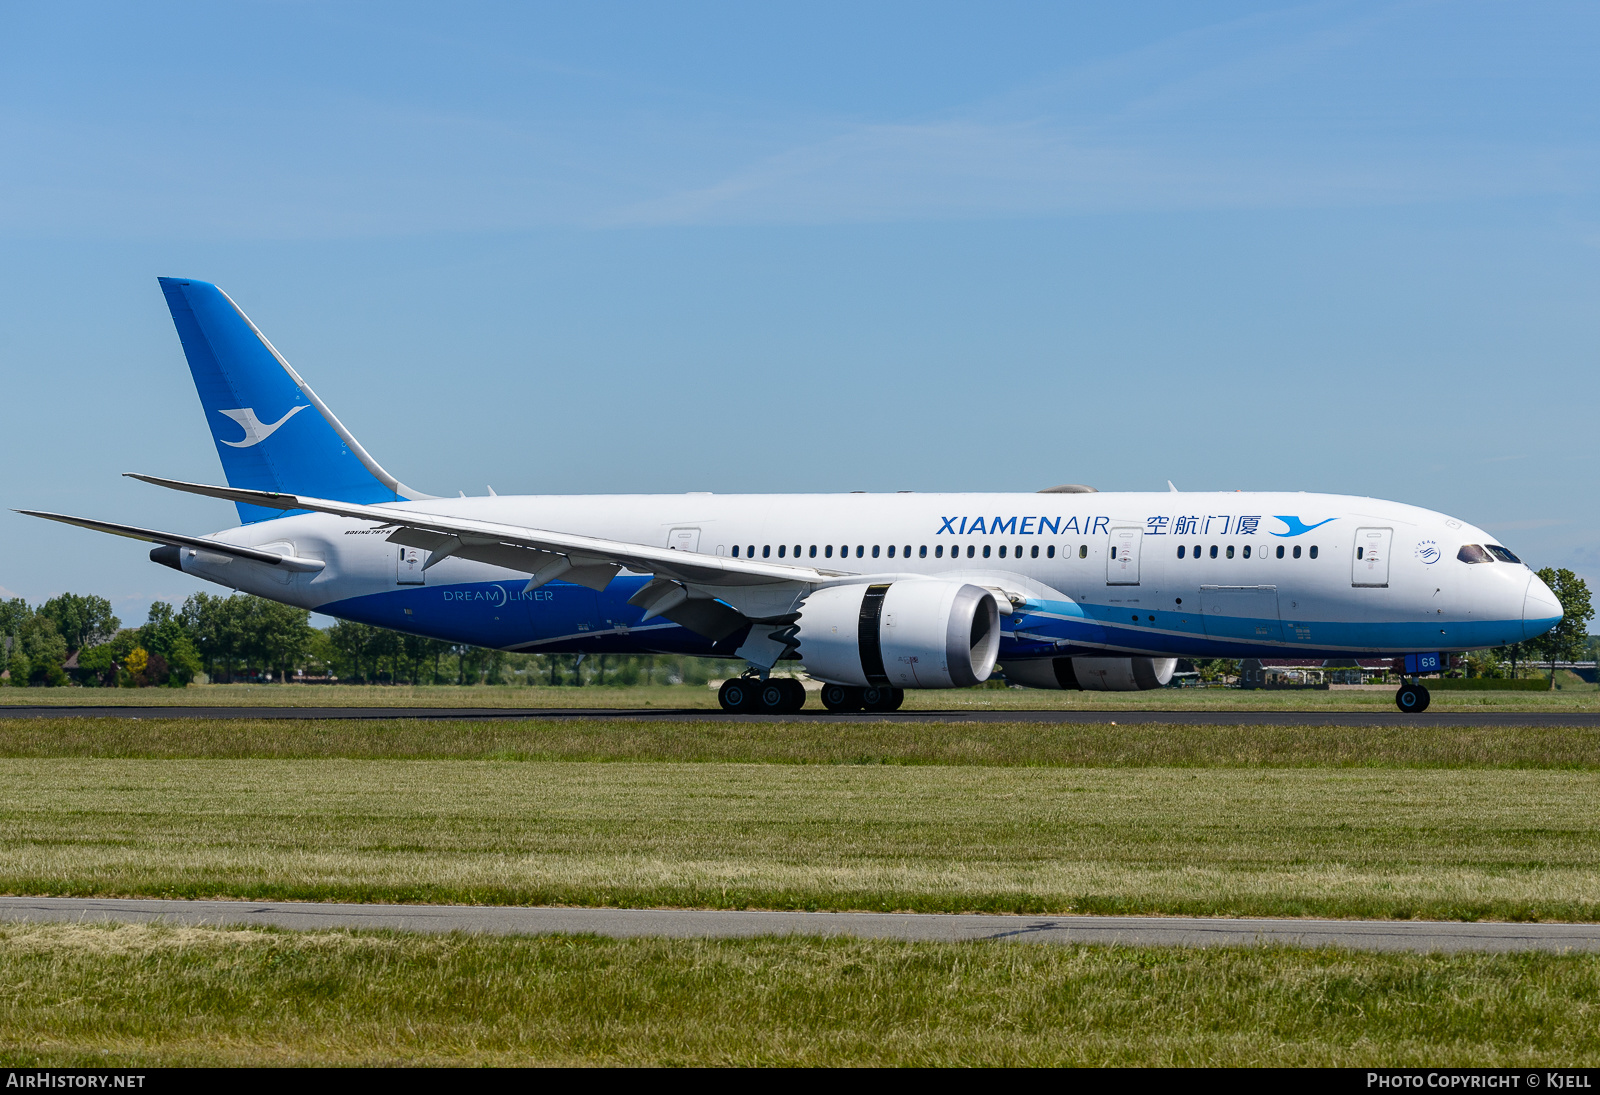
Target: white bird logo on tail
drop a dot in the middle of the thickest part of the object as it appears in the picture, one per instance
(255, 430)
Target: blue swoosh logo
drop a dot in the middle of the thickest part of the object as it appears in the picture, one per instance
(1297, 526)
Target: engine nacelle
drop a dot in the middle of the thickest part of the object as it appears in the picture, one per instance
(1092, 674)
(921, 633)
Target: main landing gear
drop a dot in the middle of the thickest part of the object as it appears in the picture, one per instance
(1412, 698)
(840, 698)
(754, 696)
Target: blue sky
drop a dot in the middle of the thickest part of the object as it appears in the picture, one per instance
(1348, 247)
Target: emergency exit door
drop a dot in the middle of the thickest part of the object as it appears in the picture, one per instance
(1369, 559)
(684, 539)
(1122, 562)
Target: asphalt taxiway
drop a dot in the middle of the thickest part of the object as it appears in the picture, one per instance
(1366, 935)
(1374, 717)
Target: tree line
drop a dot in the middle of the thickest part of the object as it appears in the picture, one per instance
(75, 639)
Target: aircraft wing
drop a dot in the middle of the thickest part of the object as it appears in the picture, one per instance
(173, 539)
(546, 555)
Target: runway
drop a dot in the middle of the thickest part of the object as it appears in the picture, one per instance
(1367, 935)
(1378, 717)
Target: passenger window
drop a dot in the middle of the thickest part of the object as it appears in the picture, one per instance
(1213, 551)
(735, 551)
(828, 551)
(874, 551)
(922, 552)
(1230, 551)
(1113, 552)
(780, 551)
(1313, 551)
(1280, 551)
(1050, 552)
(985, 551)
(1002, 551)
(1359, 553)
(1502, 554)
(1297, 551)
(891, 551)
(1197, 551)
(1247, 551)
(1180, 551)
(1083, 551)
(860, 550)
(970, 551)
(813, 551)
(1018, 552)
(1034, 554)
(1472, 553)
(908, 551)
(766, 551)
(938, 551)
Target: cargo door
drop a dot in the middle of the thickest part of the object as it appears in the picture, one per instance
(1241, 613)
(1369, 560)
(1122, 562)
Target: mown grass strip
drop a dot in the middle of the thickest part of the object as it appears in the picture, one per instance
(1446, 844)
(146, 996)
(815, 742)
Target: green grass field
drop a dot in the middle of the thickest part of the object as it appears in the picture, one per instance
(138, 996)
(1231, 821)
(1473, 822)
(684, 697)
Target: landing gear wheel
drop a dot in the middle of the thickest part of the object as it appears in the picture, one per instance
(797, 695)
(840, 698)
(772, 698)
(738, 694)
(883, 699)
(1413, 699)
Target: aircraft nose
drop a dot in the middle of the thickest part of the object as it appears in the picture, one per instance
(1540, 609)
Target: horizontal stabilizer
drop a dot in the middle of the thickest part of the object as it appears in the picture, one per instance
(173, 539)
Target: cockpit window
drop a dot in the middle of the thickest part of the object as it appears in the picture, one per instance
(1502, 554)
(1472, 553)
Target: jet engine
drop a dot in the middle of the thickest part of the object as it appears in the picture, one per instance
(922, 633)
(1092, 674)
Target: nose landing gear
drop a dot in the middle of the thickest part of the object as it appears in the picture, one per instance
(1412, 699)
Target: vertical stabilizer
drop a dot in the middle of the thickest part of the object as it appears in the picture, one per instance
(271, 430)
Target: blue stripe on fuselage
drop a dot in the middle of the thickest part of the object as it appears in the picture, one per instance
(558, 618)
(565, 618)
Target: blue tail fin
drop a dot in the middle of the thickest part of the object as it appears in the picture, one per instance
(271, 430)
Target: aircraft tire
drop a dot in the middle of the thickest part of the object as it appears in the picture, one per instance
(882, 699)
(841, 698)
(797, 695)
(772, 697)
(1413, 699)
(738, 694)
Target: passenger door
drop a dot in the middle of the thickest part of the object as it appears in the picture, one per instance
(409, 567)
(1369, 560)
(1122, 561)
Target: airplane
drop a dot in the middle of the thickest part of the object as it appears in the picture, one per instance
(872, 594)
